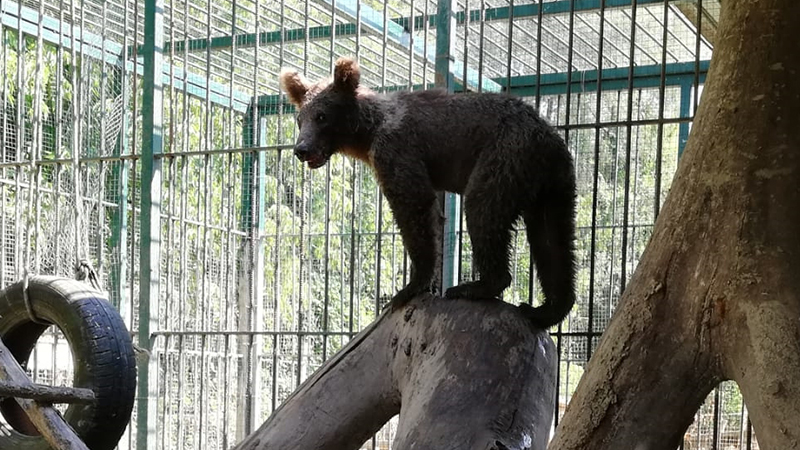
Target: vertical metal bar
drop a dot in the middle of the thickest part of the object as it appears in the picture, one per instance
(749, 433)
(379, 198)
(208, 189)
(36, 150)
(150, 241)
(595, 178)
(698, 40)
(100, 236)
(614, 201)
(253, 223)
(567, 105)
(79, 142)
(716, 424)
(3, 144)
(445, 56)
(225, 400)
(228, 251)
(119, 227)
(510, 49)
(277, 291)
(539, 54)
(661, 101)
(302, 285)
(258, 251)
(183, 234)
(685, 113)
(21, 233)
(636, 167)
(628, 135)
(258, 267)
(59, 131)
(326, 252)
(458, 271)
(140, 424)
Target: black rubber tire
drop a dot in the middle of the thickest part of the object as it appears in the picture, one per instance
(101, 349)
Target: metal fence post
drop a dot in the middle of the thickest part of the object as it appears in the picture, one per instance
(251, 275)
(150, 238)
(119, 232)
(445, 44)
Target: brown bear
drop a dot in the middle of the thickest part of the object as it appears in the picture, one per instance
(494, 149)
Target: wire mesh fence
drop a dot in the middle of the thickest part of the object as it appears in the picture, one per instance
(262, 268)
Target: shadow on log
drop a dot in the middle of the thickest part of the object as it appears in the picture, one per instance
(461, 374)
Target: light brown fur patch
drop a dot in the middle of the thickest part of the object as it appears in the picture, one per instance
(346, 73)
(295, 86)
(360, 153)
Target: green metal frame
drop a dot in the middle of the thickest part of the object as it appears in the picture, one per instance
(150, 238)
(253, 222)
(687, 85)
(445, 79)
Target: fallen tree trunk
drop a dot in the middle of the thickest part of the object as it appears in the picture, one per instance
(461, 374)
(716, 295)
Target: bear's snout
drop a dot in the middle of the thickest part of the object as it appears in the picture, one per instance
(302, 150)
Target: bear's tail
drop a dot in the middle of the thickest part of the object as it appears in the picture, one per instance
(550, 224)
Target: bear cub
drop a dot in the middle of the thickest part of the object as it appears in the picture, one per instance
(494, 149)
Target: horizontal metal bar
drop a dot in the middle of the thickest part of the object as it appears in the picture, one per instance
(251, 333)
(168, 334)
(613, 79)
(587, 79)
(47, 394)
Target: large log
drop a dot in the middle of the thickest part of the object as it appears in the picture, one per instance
(461, 374)
(716, 295)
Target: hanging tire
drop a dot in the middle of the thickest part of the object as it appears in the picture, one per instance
(102, 353)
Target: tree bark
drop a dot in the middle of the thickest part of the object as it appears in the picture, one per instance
(461, 374)
(716, 295)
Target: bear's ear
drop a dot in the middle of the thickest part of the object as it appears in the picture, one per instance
(295, 85)
(346, 74)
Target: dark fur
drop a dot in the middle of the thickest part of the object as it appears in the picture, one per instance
(492, 148)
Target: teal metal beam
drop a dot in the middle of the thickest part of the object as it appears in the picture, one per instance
(150, 238)
(444, 79)
(613, 79)
(555, 83)
(685, 110)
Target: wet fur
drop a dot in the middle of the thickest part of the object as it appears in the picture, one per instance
(494, 149)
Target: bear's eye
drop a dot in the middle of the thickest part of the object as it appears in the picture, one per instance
(320, 117)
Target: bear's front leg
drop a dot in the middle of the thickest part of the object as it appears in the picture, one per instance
(412, 199)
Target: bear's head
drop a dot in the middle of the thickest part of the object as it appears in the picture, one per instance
(327, 112)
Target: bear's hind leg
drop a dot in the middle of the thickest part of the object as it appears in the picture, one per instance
(491, 207)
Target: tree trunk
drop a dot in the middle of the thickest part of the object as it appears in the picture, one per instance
(716, 295)
(462, 375)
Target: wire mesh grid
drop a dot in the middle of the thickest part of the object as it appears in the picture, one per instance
(266, 268)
